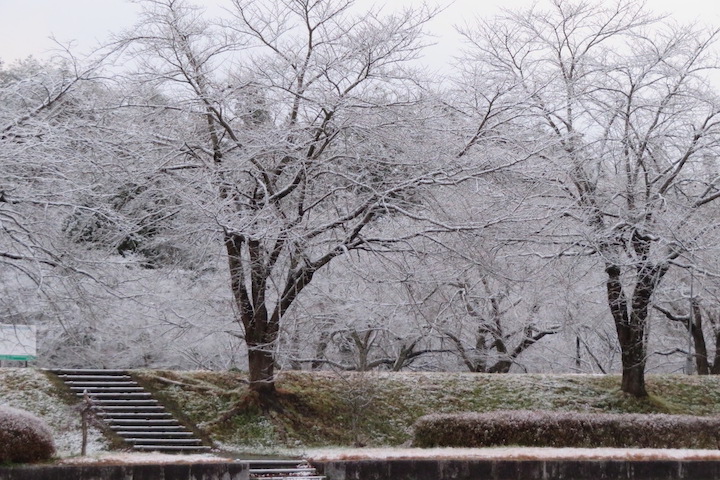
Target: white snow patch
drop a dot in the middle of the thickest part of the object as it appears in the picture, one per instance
(512, 453)
(138, 458)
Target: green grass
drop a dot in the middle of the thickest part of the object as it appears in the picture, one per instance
(379, 409)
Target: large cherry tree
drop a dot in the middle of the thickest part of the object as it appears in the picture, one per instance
(302, 136)
(629, 117)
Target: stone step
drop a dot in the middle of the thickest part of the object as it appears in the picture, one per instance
(119, 380)
(272, 471)
(154, 434)
(157, 412)
(150, 428)
(132, 408)
(97, 378)
(87, 371)
(100, 386)
(163, 441)
(110, 389)
(142, 422)
(277, 463)
(130, 411)
(133, 413)
(290, 476)
(146, 416)
(283, 469)
(122, 402)
(116, 395)
(158, 432)
(172, 448)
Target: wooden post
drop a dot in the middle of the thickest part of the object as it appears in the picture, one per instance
(84, 413)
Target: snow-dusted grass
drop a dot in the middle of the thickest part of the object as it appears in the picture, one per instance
(379, 408)
(31, 390)
(201, 397)
(374, 409)
(511, 453)
(126, 458)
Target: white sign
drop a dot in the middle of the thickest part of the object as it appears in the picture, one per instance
(18, 342)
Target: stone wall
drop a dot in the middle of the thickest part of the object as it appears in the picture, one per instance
(519, 470)
(197, 471)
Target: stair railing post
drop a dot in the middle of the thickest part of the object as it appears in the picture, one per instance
(84, 412)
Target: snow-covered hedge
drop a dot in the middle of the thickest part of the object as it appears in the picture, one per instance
(566, 429)
(24, 438)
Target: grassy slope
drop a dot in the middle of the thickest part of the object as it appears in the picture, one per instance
(374, 409)
(378, 409)
(32, 390)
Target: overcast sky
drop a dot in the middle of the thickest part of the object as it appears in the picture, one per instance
(26, 25)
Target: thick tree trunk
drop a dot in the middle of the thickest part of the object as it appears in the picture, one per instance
(631, 335)
(694, 325)
(260, 332)
(260, 336)
(632, 346)
(631, 321)
(261, 366)
(698, 337)
(502, 366)
(715, 366)
(633, 377)
(715, 369)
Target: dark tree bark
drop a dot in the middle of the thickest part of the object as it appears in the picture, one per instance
(698, 338)
(503, 365)
(702, 358)
(631, 322)
(260, 334)
(715, 369)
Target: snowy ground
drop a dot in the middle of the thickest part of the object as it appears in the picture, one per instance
(29, 389)
(122, 458)
(514, 453)
(339, 454)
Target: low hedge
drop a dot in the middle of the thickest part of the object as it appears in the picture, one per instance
(566, 429)
(24, 438)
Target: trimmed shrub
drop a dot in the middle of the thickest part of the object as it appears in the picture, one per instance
(566, 429)
(24, 438)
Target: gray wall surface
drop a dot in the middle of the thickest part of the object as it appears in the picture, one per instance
(519, 470)
(197, 471)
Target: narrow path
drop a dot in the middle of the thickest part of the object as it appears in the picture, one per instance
(283, 469)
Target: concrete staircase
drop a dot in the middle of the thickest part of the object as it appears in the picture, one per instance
(283, 469)
(130, 411)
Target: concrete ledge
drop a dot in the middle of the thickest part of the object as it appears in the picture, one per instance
(172, 471)
(446, 469)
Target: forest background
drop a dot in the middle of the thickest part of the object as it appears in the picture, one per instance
(285, 187)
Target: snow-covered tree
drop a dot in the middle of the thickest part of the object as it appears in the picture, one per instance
(628, 116)
(36, 119)
(302, 136)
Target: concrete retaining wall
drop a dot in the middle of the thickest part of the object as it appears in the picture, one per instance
(519, 470)
(197, 471)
